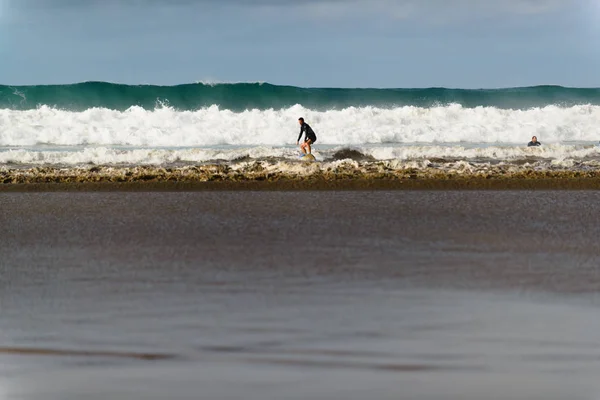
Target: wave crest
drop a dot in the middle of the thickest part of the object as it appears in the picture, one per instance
(213, 126)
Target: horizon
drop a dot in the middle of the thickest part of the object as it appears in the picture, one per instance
(208, 83)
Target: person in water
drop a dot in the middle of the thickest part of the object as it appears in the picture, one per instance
(534, 142)
(309, 136)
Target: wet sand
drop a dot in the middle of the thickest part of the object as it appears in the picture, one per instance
(355, 184)
(300, 294)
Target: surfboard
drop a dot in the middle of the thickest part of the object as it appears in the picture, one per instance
(308, 157)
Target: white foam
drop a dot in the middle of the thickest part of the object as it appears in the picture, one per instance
(218, 82)
(506, 152)
(166, 127)
(558, 154)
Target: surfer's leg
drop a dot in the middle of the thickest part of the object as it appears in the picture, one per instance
(303, 147)
(308, 146)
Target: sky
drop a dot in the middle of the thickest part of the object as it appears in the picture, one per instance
(309, 43)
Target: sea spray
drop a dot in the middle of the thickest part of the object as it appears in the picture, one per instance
(212, 126)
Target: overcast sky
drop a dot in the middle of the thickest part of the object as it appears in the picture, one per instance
(324, 43)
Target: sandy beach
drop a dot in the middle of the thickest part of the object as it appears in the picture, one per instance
(299, 294)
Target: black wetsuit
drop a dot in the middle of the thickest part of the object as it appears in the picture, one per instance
(531, 144)
(307, 130)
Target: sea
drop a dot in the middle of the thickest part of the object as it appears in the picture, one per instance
(302, 294)
(99, 123)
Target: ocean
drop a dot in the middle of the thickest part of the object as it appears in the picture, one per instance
(98, 123)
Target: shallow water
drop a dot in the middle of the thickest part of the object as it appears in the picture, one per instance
(570, 155)
(300, 295)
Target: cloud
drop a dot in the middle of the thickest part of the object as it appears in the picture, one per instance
(424, 10)
(508, 5)
(437, 10)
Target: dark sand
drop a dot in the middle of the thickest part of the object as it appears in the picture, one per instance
(312, 185)
(299, 294)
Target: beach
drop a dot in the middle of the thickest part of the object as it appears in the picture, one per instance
(305, 294)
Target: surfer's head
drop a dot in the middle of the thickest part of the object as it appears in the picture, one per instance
(534, 139)
(300, 120)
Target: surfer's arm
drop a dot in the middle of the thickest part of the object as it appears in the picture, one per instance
(300, 135)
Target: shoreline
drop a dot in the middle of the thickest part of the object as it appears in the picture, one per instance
(299, 176)
(310, 185)
(341, 185)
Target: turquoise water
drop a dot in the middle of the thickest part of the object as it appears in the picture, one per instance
(241, 96)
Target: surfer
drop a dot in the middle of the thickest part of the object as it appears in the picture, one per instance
(534, 142)
(309, 136)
